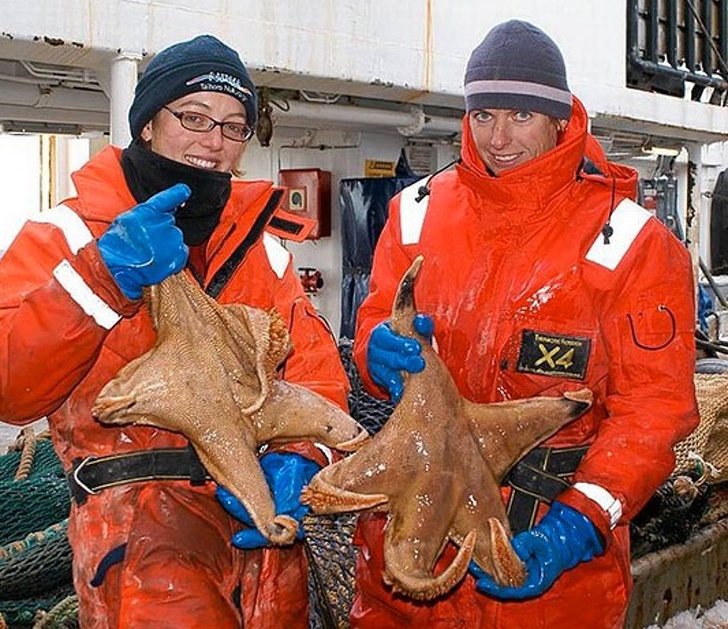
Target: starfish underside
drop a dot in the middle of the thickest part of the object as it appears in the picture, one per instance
(436, 467)
(210, 377)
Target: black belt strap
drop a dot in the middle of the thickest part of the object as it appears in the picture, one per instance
(91, 475)
(539, 476)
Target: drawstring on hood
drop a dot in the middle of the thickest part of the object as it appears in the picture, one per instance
(424, 189)
(577, 158)
(607, 229)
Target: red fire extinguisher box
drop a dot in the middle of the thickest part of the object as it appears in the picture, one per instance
(308, 193)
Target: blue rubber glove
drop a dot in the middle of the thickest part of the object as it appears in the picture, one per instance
(388, 353)
(563, 538)
(286, 474)
(143, 245)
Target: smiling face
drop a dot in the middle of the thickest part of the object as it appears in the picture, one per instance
(208, 150)
(506, 138)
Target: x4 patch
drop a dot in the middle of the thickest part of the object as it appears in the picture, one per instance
(554, 355)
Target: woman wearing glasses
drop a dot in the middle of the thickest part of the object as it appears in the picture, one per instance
(152, 547)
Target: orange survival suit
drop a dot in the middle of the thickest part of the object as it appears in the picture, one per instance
(532, 295)
(151, 554)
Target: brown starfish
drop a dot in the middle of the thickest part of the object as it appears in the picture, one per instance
(210, 376)
(436, 467)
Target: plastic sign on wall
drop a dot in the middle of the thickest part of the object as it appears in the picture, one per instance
(379, 168)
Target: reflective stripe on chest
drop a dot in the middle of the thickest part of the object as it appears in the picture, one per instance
(412, 213)
(627, 221)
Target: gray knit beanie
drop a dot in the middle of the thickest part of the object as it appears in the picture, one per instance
(198, 65)
(518, 66)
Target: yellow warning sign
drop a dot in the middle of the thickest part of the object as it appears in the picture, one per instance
(378, 168)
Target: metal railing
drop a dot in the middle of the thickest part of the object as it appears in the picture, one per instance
(675, 44)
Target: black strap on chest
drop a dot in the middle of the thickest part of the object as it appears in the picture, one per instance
(539, 476)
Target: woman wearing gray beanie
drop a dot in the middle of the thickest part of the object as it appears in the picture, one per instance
(155, 542)
(541, 276)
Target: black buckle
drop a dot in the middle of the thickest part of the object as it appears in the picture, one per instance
(88, 476)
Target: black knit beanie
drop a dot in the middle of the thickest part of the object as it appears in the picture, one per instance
(201, 64)
(518, 66)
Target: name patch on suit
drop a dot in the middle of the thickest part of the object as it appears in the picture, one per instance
(554, 355)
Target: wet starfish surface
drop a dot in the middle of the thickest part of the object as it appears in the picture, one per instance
(210, 376)
(436, 467)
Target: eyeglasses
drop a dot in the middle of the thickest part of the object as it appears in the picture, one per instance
(200, 123)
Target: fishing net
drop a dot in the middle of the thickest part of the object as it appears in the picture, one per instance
(35, 556)
(23, 612)
(695, 494)
(331, 554)
(33, 489)
(332, 558)
(63, 615)
(369, 411)
(709, 441)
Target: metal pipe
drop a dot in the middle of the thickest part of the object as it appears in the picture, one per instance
(14, 93)
(300, 114)
(312, 114)
(124, 70)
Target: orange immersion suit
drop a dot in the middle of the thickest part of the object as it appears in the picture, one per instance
(150, 554)
(532, 295)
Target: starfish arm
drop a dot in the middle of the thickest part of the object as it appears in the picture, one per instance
(240, 473)
(423, 584)
(324, 497)
(363, 473)
(508, 569)
(292, 413)
(505, 431)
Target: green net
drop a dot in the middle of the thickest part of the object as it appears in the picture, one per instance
(63, 615)
(39, 563)
(369, 411)
(37, 501)
(35, 556)
(22, 613)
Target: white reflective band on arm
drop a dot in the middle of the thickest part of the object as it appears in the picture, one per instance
(604, 499)
(278, 255)
(412, 213)
(82, 294)
(627, 221)
(74, 229)
(326, 452)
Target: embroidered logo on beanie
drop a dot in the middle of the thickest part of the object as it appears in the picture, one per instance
(200, 64)
(221, 82)
(518, 66)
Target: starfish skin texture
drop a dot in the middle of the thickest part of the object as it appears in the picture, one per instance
(210, 377)
(436, 466)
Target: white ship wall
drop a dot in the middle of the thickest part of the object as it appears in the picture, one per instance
(408, 52)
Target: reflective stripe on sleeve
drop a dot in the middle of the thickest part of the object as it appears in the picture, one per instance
(604, 499)
(82, 294)
(412, 213)
(77, 234)
(627, 221)
(278, 255)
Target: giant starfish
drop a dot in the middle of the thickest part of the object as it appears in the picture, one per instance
(436, 467)
(210, 376)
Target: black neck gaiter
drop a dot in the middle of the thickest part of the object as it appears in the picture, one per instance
(147, 173)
